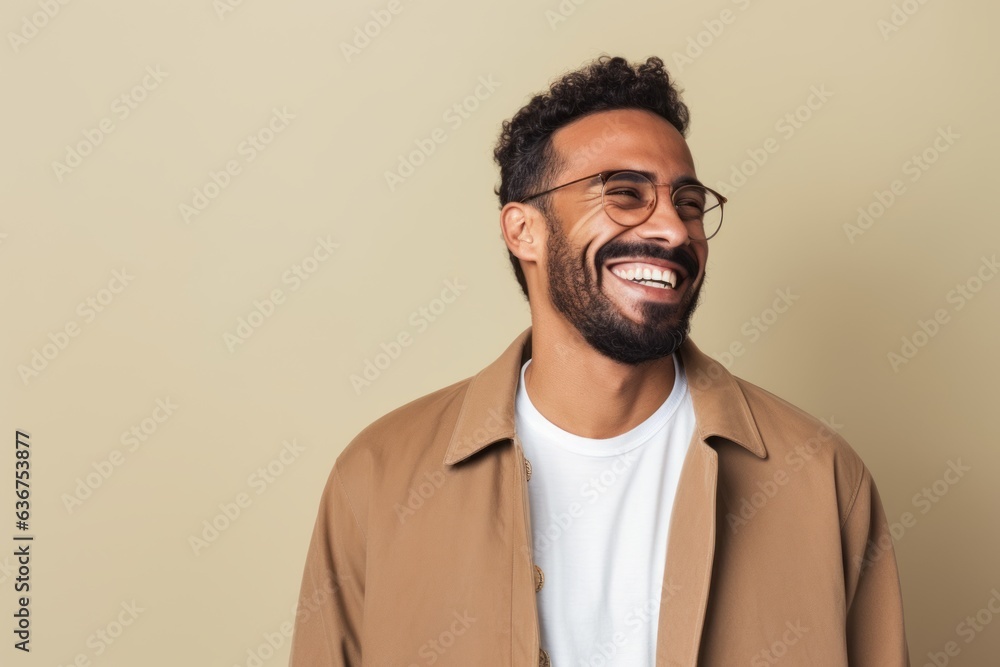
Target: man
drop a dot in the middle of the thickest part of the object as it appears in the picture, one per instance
(604, 493)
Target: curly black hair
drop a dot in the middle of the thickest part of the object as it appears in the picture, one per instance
(524, 149)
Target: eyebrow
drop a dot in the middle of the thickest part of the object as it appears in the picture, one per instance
(679, 181)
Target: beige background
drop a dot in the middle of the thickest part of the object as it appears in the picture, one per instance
(162, 336)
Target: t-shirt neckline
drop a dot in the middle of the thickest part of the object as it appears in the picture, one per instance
(601, 447)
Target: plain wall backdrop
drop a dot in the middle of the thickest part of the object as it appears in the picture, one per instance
(215, 213)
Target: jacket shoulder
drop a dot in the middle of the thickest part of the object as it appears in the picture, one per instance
(796, 439)
(403, 434)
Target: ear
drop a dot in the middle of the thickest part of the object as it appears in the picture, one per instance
(521, 227)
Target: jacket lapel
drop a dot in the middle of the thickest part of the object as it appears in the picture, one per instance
(721, 410)
(687, 573)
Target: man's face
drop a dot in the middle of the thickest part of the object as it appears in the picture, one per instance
(626, 321)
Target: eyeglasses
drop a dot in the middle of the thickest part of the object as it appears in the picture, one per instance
(629, 197)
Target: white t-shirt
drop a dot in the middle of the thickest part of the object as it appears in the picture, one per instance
(600, 509)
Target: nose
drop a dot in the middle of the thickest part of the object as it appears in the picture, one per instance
(664, 223)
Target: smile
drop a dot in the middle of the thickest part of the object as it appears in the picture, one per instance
(645, 274)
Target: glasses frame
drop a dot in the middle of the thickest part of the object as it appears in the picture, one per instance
(608, 173)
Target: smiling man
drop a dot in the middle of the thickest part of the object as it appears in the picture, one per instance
(603, 493)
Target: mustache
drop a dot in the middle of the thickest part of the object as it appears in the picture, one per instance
(680, 255)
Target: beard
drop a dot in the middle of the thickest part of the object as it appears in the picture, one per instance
(599, 320)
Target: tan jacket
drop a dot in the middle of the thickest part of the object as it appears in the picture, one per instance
(779, 550)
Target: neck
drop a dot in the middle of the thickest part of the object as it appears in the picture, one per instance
(585, 393)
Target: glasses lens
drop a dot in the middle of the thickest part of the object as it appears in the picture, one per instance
(629, 197)
(700, 209)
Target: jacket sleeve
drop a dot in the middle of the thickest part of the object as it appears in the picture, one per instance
(875, 633)
(328, 619)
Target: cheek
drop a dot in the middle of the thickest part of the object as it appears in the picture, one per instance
(701, 255)
(586, 220)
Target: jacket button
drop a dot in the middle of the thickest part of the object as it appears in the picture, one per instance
(543, 658)
(527, 468)
(539, 578)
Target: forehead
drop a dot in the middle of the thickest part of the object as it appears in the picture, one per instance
(622, 138)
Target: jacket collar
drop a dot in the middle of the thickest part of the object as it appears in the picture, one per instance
(487, 413)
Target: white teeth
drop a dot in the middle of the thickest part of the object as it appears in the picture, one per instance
(648, 276)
